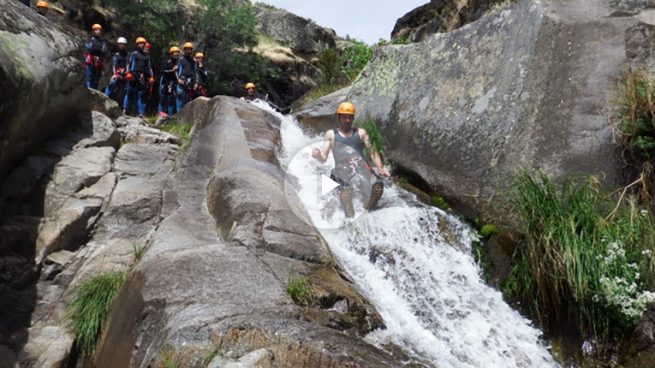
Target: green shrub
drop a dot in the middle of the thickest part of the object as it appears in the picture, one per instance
(577, 262)
(439, 202)
(179, 129)
(375, 138)
(356, 57)
(330, 63)
(300, 290)
(488, 230)
(88, 309)
(636, 101)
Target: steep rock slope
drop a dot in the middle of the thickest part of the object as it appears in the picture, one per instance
(528, 87)
(41, 80)
(214, 276)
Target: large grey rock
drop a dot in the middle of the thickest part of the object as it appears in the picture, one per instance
(41, 79)
(441, 16)
(206, 286)
(302, 35)
(81, 169)
(529, 87)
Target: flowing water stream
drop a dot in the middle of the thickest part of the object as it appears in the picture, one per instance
(414, 263)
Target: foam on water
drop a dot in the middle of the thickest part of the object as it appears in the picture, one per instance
(414, 263)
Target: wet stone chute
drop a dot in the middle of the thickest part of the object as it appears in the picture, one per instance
(414, 263)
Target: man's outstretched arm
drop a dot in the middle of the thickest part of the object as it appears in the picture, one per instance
(322, 154)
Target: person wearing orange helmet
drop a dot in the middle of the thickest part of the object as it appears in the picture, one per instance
(202, 77)
(347, 145)
(140, 76)
(168, 82)
(251, 92)
(96, 49)
(186, 76)
(118, 66)
(42, 7)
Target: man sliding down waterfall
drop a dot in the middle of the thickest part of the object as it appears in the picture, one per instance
(347, 145)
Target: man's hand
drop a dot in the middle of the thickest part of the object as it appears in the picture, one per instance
(383, 172)
(316, 153)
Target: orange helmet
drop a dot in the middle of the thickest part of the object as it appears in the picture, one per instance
(96, 26)
(41, 4)
(173, 49)
(346, 108)
(200, 55)
(140, 40)
(187, 45)
(250, 85)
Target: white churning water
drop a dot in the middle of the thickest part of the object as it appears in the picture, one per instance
(414, 263)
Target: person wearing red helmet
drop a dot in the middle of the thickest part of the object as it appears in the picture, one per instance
(140, 75)
(96, 48)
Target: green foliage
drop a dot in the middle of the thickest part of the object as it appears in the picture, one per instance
(481, 258)
(577, 262)
(300, 290)
(375, 138)
(235, 67)
(439, 202)
(138, 251)
(394, 41)
(157, 20)
(356, 57)
(226, 24)
(636, 101)
(488, 230)
(330, 63)
(88, 309)
(179, 129)
(169, 359)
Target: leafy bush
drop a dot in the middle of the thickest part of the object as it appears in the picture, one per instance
(356, 57)
(375, 138)
(226, 24)
(88, 309)
(636, 100)
(577, 262)
(488, 230)
(439, 202)
(157, 20)
(300, 290)
(330, 63)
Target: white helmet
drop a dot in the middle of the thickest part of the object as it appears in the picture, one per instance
(122, 40)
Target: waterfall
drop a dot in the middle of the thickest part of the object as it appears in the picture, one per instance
(414, 264)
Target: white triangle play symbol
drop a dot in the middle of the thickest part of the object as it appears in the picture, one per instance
(327, 185)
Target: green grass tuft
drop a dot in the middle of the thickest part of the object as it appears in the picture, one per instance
(488, 230)
(300, 290)
(138, 251)
(375, 138)
(180, 129)
(439, 202)
(577, 261)
(88, 309)
(636, 102)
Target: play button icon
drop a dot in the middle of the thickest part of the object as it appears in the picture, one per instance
(327, 185)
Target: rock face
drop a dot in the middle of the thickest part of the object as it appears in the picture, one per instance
(213, 279)
(441, 16)
(529, 87)
(303, 36)
(41, 81)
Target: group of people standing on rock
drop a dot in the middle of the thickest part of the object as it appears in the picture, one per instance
(183, 75)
